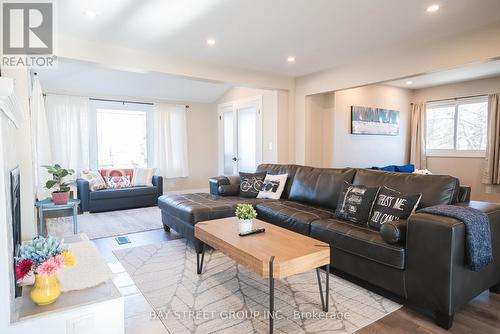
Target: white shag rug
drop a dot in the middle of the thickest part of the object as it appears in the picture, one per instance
(107, 224)
(90, 269)
(190, 303)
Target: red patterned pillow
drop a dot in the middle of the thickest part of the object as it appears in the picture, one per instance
(117, 182)
(117, 172)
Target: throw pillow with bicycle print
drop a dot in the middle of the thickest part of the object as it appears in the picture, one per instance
(251, 184)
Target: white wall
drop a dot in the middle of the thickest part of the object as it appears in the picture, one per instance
(15, 150)
(18, 151)
(468, 170)
(477, 46)
(329, 142)
(286, 128)
(5, 235)
(319, 130)
(370, 150)
(119, 57)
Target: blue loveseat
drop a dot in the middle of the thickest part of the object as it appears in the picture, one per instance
(118, 199)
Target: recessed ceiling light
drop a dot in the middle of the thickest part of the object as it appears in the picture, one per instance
(211, 41)
(433, 8)
(90, 13)
(290, 59)
(409, 82)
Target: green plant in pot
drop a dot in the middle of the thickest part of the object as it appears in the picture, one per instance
(60, 195)
(246, 214)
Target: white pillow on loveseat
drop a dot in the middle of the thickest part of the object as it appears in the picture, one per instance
(143, 177)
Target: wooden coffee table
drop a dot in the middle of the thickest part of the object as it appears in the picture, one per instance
(276, 253)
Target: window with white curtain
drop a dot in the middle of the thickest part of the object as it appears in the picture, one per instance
(457, 127)
(121, 138)
(121, 134)
(107, 134)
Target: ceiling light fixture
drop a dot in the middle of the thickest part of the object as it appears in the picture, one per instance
(433, 8)
(290, 59)
(211, 41)
(90, 13)
(409, 82)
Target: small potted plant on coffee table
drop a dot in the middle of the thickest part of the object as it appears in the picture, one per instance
(60, 195)
(245, 213)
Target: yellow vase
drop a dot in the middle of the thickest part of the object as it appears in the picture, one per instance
(46, 290)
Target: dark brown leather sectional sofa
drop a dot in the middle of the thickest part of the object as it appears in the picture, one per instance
(425, 268)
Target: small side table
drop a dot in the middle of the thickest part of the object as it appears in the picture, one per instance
(48, 205)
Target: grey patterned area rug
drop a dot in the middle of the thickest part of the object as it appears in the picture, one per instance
(228, 298)
(107, 224)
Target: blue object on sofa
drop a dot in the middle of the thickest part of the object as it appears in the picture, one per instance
(409, 168)
(390, 168)
(118, 199)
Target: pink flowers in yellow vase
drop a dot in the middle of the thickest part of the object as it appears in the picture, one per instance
(51, 266)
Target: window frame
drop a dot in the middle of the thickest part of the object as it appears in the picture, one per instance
(455, 152)
(122, 106)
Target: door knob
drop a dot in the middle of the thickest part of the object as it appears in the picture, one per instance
(235, 159)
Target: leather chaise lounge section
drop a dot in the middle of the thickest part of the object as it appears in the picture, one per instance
(426, 268)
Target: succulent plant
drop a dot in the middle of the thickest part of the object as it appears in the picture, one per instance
(41, 249)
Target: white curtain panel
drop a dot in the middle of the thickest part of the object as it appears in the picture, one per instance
(40, 139)
(68, 119)
(491, 175)
(417, 136)
(169, 147)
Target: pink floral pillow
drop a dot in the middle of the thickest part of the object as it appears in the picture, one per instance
(116, 182)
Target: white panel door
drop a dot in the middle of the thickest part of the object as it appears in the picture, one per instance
(228, 145)
(249, 137)
(227, 139)
(240, 136)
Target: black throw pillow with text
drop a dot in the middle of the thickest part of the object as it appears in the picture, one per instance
(392, 205)
(356, 202)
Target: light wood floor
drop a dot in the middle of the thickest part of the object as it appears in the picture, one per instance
(481, 315)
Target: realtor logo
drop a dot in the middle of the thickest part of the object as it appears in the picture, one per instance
(28, 34)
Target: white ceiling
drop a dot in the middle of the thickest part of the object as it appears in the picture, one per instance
(463, 73)
(261, 34)
(97, 81)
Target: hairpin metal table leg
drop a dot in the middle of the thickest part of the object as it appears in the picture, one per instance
(324, 299)
(327, 298)
(271, 296)
(199, 262)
